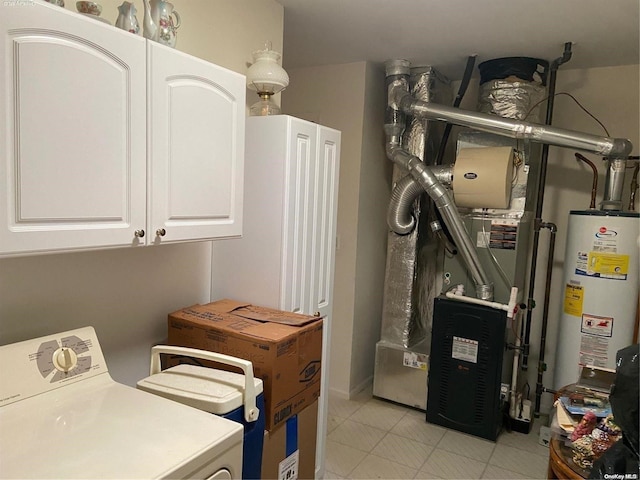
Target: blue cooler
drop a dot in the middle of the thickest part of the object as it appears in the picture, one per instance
(227, 394)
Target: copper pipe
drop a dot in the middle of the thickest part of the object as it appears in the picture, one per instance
(594, 186)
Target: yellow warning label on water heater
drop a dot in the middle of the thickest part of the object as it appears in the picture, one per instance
(608, 265)
(573, 297)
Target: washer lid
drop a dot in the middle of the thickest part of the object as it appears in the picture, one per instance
(208, 389)
(101, 429)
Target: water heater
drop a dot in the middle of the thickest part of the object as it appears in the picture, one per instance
(600, 291)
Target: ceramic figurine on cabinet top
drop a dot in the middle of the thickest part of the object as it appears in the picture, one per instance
(158, 22)
(127, 18)
(89, 8)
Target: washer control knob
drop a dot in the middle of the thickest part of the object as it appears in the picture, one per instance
(65, 359)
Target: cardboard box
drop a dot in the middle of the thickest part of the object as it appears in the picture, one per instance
(290, 452)
(285, 349)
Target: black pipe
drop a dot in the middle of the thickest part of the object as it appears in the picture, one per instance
(545, 315)
(466, 78)
(566, 56)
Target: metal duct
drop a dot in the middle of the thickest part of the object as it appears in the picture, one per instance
(613, 185)
(517, 99)
(400, 216)
(443, 201)
(604, 146)
(411, 272)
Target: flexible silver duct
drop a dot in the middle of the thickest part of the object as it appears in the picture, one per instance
(443, 201)
(604, 146)
(399, 216)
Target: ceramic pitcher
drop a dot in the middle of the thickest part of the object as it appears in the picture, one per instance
(127, 18)
(159, 22)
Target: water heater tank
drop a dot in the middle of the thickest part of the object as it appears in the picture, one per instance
(600, 291)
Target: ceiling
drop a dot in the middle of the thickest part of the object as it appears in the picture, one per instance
(443, 33)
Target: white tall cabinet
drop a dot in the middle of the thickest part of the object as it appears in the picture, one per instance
(108, 139)
(286, 256)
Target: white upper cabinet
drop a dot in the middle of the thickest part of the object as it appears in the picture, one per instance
(72, 131)
(196, 144)
(107, 139)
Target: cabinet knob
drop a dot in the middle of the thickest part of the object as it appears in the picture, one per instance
(139, 233)
(317, 314)
(161, 232)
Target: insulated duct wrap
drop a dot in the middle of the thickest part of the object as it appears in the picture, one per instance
(411, 275)
(512, 98)
(513, 87)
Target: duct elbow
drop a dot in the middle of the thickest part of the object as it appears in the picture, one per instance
(620, 148)
(400, 214)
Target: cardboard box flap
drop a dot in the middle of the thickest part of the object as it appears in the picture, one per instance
(226, 305)
(206, 316)
(273, 332)
(261, 314)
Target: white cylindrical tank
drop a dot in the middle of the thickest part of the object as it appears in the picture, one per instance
(600, 291)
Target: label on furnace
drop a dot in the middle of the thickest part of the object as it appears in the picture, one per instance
(465, 349)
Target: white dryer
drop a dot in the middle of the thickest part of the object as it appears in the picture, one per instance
(62, 416)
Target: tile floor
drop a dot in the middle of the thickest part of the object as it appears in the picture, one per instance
(372, 438)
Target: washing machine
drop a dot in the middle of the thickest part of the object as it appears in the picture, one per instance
(63, 416)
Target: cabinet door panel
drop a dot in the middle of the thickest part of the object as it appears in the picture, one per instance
(298, 221)
(73, 132)
(196, 147)
(324, 220)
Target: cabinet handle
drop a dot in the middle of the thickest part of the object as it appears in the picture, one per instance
(317, 314)
(161, 232)
(139, 233)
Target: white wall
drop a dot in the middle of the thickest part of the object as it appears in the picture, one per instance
(346, 97)
(126, 294)
(375, 191)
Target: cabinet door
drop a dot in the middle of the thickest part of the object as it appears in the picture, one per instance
(298, 217)
(323, 237)
(72, 131)
(325, 208)
(196, 147)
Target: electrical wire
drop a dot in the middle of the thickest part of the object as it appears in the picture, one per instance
(577, 102)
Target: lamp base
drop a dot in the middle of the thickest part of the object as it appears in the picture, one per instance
(265, 106)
